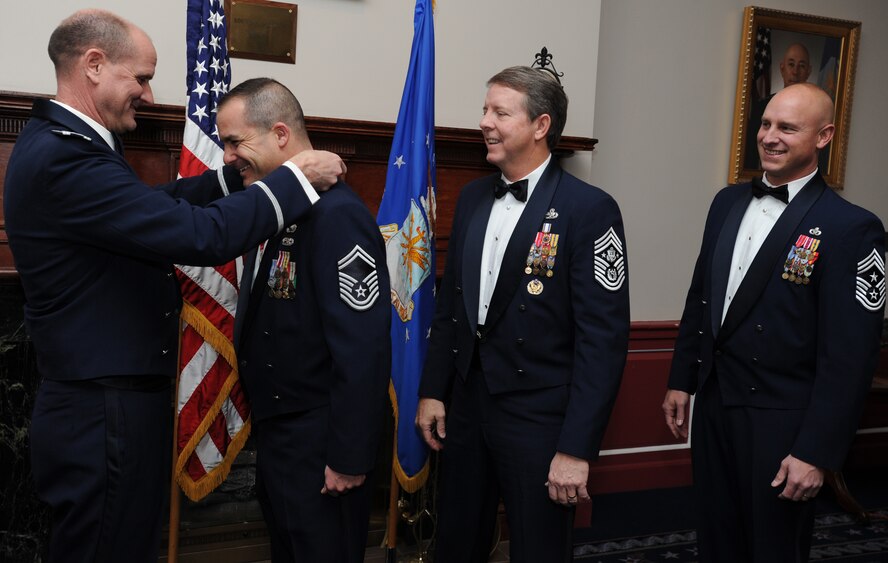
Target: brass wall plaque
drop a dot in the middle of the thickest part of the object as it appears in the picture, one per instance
(261, 30)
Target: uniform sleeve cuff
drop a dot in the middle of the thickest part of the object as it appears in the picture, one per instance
(310, 192)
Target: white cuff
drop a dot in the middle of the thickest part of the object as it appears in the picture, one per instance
(310, 192)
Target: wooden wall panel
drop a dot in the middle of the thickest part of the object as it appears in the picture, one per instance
(639, 452)
(6, 265)
(153, 150)
(637, 420)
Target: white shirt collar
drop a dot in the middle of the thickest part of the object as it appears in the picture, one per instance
(102, 131)
(793, 187)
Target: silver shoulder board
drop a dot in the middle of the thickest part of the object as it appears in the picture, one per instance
(64, 133)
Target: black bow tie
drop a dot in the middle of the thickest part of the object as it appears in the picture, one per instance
(759, 189)
(518, 189)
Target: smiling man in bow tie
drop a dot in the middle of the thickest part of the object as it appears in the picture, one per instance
(529, 338)
(779, 340)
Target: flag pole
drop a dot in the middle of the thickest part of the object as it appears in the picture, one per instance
(175, 503)
(407, 211)
(175, 494)
(391, 528)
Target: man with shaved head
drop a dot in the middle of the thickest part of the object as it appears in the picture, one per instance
(779, 340)
(94, 247)
(795, 68)
(796, 65)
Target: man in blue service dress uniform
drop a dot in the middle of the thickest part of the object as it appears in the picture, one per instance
(530, 335)
(779, 340)
(94, 247)
(312, 334)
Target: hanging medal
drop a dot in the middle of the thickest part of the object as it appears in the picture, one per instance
(553, 250)
(282, 276)
(799, 263)
(541, 256)
(534, 253)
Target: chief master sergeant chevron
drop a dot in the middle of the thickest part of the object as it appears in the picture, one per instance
(94, 247)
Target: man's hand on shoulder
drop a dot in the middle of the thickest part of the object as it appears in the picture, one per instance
(322, 168)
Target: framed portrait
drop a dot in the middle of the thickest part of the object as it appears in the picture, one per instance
(782, 48)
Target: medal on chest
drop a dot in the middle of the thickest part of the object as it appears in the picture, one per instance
(541, 257)
(799, 264)
(282, 276)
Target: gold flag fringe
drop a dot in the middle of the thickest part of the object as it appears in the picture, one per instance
(196, 490)
(408, 483)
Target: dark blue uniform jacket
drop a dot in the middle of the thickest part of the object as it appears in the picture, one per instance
(787, 345)
(95, 246)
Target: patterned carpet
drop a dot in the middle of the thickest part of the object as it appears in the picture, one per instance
(634, 527)
(837, 537)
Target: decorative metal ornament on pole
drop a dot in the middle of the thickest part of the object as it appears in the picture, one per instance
(543, 61)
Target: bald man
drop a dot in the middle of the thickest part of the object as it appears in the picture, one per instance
(94, 247)
(795, 68)
(796, 65)
(779, 341)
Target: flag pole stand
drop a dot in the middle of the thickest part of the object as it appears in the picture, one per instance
(391, 531)
(175, 503)
(175, 493)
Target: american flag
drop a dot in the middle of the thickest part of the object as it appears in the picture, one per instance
(212, 409)
(761, 71)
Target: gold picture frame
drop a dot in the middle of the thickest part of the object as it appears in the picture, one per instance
(771, 37)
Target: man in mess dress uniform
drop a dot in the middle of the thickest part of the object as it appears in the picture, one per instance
(779, 340)
(529, 338)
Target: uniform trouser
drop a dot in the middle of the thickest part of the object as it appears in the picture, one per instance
(101, 459)
(736, 453)
(501, 445)
(304, 525)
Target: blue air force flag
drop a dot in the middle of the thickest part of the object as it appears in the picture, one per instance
(407, 222)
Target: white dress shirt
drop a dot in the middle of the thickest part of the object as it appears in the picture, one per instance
(503, 217)
(759, 219)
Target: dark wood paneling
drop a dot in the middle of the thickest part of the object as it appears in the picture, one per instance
(153, 150)
(637, 422)
(6, 265)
